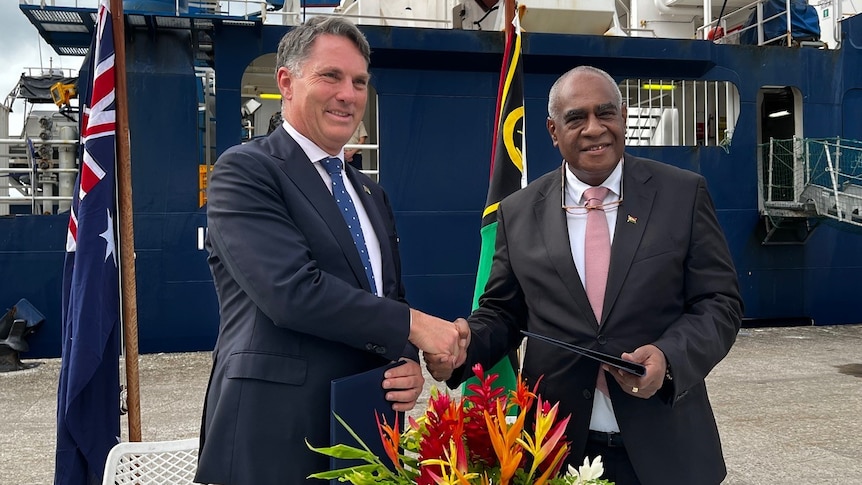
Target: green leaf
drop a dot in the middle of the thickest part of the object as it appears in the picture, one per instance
(352, 433)
(358, 469)
(346, 452)
(409, 462)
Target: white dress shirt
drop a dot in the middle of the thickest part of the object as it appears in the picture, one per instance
(603, 418)
(316, 154)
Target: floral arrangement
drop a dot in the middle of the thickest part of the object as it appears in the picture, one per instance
(470, 442)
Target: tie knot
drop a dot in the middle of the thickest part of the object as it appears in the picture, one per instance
(332, 165)
(595, 196)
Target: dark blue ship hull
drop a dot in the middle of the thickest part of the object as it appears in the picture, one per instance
(436, 93)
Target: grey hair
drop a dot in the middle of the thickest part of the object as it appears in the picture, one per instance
(295, 47)
(554, 93)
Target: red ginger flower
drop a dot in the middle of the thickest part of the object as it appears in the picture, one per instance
(443, 424)
(484, 399)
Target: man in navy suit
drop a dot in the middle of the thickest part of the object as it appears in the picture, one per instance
(306, 295)
(671, 299)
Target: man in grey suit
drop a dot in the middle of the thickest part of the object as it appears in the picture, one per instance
(306, 294)
(670, 300)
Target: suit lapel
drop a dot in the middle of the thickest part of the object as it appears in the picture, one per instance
(632, 218)
(299, 168)
(552, 219)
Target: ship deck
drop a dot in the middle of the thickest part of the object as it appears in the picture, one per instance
(788, 402)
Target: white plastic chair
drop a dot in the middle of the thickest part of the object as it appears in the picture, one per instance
(152, 463)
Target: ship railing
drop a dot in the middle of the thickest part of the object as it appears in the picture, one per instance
(636, 32)
(369, 12)
(730, 28)
(374, 171)
(807, 177)
(836, 174)
(49, 184)
(288, 12)
(676, 112)
(49, 71)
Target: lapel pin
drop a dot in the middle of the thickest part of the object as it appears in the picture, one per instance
(367, 190)
(631, 219)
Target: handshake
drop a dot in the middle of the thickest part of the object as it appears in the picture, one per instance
(443, 344)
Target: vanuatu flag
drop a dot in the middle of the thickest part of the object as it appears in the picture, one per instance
(508, 173)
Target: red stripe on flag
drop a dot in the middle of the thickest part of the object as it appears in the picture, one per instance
(73, 228)
(99, 129)
(507, 59)
(89, 179)
(103, 86)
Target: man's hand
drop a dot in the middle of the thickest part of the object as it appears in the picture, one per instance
(404, 385)
(434, 335)
(643, 387)
(441, 366)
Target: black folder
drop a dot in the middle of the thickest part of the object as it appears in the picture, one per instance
(613, 361)
(357, 399)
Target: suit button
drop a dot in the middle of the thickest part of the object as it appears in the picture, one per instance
(588, 394)
(602, 340)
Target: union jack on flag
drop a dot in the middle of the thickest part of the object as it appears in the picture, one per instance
(88, 415)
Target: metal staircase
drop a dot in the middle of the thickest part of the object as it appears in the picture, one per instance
(804, 180)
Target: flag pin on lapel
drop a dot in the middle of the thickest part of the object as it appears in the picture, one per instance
(367, 190)
(631, 219)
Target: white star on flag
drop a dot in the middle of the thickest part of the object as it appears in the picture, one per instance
(108, 236)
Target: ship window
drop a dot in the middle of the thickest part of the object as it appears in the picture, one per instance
(665, 112)
(370, 149)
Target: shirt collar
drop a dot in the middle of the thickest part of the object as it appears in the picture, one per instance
(312, 151)
(575, 187)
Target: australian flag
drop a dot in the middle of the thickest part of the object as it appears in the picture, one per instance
(88, 415)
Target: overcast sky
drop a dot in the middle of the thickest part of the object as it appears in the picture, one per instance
(20, 48)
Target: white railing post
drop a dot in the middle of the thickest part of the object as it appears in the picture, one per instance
(760, 23)
(798, 177)
(66, 180)
(769, 169)
(834, 178)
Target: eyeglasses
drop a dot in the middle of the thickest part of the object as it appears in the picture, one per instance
(581, 209)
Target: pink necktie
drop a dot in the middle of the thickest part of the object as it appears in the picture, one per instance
(597, 259)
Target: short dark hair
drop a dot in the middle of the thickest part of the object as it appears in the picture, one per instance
(295, 46)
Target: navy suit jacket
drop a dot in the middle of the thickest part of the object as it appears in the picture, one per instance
(296, 311)
(671, 283)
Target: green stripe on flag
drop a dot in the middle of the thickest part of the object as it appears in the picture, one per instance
(486, 255)
(504, 368)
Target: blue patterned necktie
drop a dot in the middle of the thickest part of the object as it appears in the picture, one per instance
(348, 211)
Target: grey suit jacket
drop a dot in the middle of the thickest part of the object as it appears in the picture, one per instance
(671, 283)
(296, 311)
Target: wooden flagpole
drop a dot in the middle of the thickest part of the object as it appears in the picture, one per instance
(509, 12)
(126, 229)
